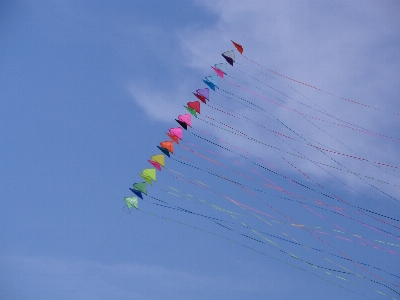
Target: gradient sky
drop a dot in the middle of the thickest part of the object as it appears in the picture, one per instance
(88, 89)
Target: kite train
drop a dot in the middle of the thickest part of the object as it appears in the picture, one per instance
(277, 166)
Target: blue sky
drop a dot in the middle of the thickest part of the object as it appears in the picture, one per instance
(90, 88)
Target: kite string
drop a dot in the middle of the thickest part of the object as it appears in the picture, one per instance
(381, 231)
(252, 249)
(316, 88)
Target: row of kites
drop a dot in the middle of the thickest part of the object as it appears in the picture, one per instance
(314, 150)
(175, 134)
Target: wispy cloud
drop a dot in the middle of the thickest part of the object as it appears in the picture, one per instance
(159, 105)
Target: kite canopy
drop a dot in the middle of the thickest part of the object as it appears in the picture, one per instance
(132, 202)
(204, 92)
(159, 159)
(150, 173)
(146, 178)
(186, 119)
(210, 84)
(176, 131)
(164, 150)
(229, 56)
(169, 145)
(211, 81)
(194, 105)
(183, 124)
(173, 137)
(137, 193)
(200, 97)
(141, 187)
(219, 72)
(238, 47)
(155, 165)
(191, 110)
(222, 67)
